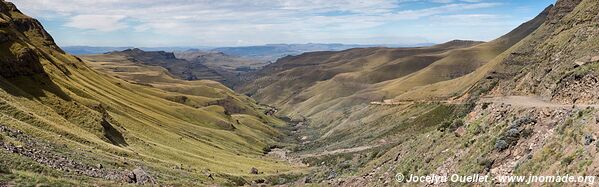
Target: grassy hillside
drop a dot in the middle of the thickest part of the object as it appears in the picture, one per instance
(523, 104)
(353, 69)
(219, 60)
(330, 87)
(456, 125)
(64, 123)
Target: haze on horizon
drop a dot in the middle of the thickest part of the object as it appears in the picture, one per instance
(163, 23)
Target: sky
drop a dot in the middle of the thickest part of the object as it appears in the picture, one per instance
(168, 23)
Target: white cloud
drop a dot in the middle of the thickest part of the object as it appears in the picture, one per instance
(105, 23)
(225, 22)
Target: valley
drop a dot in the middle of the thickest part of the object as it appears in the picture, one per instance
(526, 103)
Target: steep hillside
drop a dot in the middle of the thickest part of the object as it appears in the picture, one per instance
(219, 60)
(324, 84)
(197, 94)
(531, 110)
(353, 69)
(181, 68)
(64, 124)
(523, 104)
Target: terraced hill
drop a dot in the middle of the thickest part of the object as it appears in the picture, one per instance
(63, 123)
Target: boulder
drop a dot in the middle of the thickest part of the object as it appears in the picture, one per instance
(254, 171)
(586, 59)
(137, 176)
(588, 139)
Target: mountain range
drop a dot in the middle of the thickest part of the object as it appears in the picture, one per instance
(526, 103)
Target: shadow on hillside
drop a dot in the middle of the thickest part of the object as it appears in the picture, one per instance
(32, 87)
(112, 134)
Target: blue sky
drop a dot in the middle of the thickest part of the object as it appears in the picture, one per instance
(160, 23)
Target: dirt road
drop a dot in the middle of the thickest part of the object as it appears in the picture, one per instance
(531, 101)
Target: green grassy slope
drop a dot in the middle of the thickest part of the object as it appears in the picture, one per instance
(351, 70)
(432, 135)
(59, 99)
(330, 87)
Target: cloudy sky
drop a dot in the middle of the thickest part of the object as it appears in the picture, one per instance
(159, 23)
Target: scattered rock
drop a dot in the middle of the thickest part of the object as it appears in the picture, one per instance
(254, 171)
(588, 139)
(259, 181)
(209, 175)
(332, 175)
(461, 131)
(129, 177)
(485, 162)
(142, 177)
(585, 60)
(44, 153)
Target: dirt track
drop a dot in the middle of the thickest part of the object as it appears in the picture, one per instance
(531, 101)
(522, 101)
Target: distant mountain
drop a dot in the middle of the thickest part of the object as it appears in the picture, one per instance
(221, 60)
(272, 52)
(180, 68)
(87, 50)
(269, 52)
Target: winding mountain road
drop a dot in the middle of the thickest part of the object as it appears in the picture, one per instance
(532, 101)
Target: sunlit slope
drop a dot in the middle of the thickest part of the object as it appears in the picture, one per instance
(327, 82)
(198, 94)
(554, 71)
(462, 62)
(58, 98)
(285, 80)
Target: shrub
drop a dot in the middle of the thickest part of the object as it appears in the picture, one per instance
(501, 145)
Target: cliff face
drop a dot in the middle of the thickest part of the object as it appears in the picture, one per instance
(180, 68)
